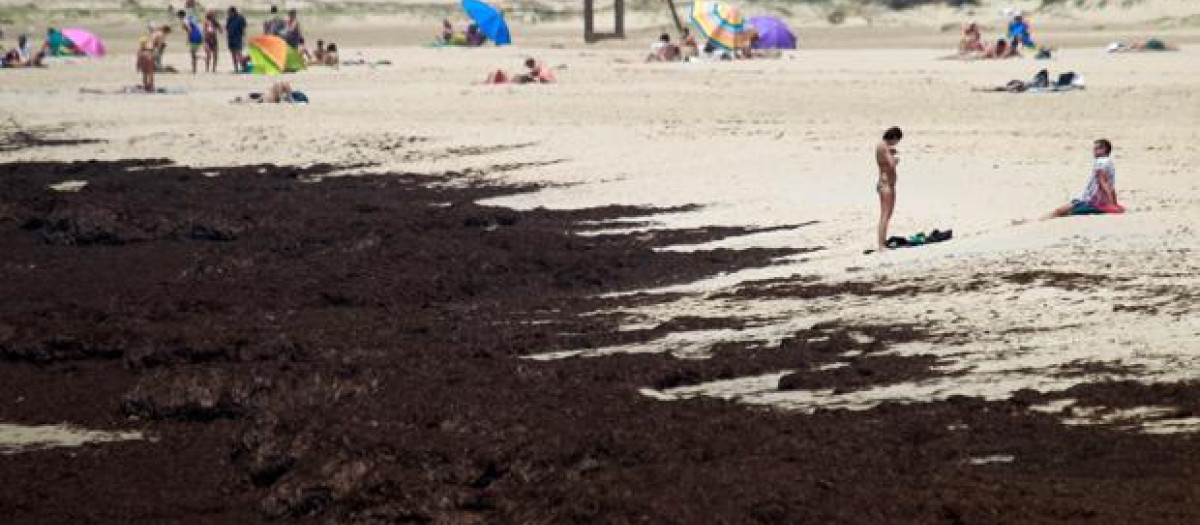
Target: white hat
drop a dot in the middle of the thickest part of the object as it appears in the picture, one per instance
(1016, 13)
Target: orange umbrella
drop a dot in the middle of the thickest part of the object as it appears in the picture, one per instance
(279, 57)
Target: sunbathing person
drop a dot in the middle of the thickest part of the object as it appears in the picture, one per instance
(972, 41)
(331, 55)
(475, 37)
(999, 50)
(537, 74)
(663, 50)
(279, 93)
(22, 56)
(1100, 195)
(1152, 44)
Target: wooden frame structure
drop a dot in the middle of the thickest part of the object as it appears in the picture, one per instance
(589, 20)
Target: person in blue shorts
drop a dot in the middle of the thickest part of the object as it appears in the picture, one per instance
(235, 33)
(194, 33)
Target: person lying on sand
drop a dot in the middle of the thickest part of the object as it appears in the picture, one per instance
(22, 55)
(537, 74)
(1152, 44)
(279, 93)
(1001, 49)
(1040, 83)
(1100, 195)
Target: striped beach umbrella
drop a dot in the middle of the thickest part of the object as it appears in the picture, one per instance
(721, 23)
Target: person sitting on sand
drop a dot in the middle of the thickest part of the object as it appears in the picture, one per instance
(537, 74)
(972, 41)
(331, 55)
(663, 50)
(317, 57)
(1100, 195)
(447, 36)
(687, 45)
(1019, 32)
(475, 37)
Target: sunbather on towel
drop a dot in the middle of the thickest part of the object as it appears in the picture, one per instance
(1100, 195)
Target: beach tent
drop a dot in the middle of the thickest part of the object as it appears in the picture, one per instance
(272, 56)
(773, 33)
(83, 41)
(722, 24)
(490, 21)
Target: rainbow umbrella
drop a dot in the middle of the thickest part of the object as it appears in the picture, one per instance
(271, 56)
(721, 23)
(86, 42)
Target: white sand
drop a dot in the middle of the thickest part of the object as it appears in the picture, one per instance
(765, 143)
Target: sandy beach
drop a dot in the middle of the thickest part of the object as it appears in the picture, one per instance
(1046, 321)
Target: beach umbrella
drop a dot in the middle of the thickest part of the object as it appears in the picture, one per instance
(721, 23)
(772, 33)
(85, 41)
(490, 21)
(271, 56)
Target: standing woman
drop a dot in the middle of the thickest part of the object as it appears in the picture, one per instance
(886, 159)
(212, 46)
(291, 31)
(235, 33)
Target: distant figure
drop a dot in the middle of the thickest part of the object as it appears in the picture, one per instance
(475, 37)
(1152, 44)
(235, 36)
(275, 25)
(279, 93)
(291, 30)
(663, 50)
(331, 55)
(147, 56)
(447, 36)
(318, 54)
(999, 50)
(972, 40)
(536, 74)
(886, 158)
(22, 55)
(1018, 31)
(212, 46)
(688, 48)
(1100, 195)
(194, 34)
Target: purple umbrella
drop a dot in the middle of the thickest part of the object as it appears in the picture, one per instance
(772, 33)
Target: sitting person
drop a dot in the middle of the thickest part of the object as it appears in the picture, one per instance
(475, 37)
(1100, 195)
(318, 54)
(331, 55)
(537, 74)
(972, 41)
(447, 36)
(663, 50)
(688, 48)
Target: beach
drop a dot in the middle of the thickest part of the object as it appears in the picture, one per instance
(1026, 370)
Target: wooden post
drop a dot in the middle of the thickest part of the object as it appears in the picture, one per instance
(589, 25)
(675, 16)
(619, 18)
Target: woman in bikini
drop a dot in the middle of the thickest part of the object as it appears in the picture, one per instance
(212, 28)
(886, 158)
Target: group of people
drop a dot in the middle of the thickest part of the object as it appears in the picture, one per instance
(1099, 195)
(664, 50)
(472, 37)
(23, 54)
(1017, 36)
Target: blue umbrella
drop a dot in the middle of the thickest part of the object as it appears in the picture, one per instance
(490, 21)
